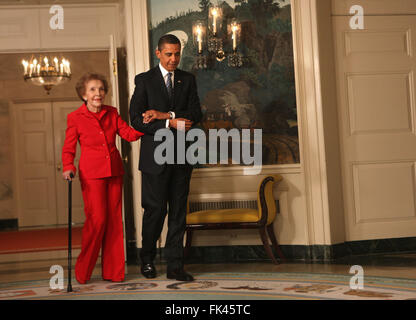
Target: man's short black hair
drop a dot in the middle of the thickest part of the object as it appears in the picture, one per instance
(167, 38)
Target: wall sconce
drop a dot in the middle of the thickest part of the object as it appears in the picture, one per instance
(215, 19)
(214, 42)
(198, 30)
(215, 24)
(235, 59)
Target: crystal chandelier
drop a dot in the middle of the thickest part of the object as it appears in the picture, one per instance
(47, 72)
(210, 37)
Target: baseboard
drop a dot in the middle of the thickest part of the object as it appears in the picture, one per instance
(8, 224)
(301, 253)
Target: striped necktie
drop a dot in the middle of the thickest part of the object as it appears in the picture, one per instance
(169, 84)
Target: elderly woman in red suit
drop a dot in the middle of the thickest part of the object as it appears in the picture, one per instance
(95, 126)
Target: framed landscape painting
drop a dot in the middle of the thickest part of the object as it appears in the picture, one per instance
(256, 93)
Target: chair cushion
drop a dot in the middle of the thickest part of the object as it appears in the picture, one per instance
(222, 216)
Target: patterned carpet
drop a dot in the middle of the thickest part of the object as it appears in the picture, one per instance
(220, 286)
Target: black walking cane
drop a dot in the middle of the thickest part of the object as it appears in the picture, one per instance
(69, 289)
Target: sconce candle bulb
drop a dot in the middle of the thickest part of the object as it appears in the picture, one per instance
(199, 38)
(214, 23)
(234, 29)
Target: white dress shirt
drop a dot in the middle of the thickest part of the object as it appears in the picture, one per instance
(165, 78)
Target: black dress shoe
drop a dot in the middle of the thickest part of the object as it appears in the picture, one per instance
(148, 270)
(180, 275)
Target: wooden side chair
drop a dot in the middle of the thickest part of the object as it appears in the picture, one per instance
(261, 218)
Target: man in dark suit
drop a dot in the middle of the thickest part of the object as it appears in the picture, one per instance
(164, 97)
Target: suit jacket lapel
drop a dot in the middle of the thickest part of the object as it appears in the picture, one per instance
(160, 85)
(177, 88)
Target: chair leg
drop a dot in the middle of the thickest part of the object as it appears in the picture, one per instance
(188, 242)
(276, 246)
(266, 244)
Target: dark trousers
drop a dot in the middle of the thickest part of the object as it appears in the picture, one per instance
(171, 187)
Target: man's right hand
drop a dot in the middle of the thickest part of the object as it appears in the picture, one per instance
(181, 124)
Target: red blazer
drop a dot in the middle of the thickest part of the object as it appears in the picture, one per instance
(99, 155)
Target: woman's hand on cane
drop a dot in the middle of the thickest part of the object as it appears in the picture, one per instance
(68, 175)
